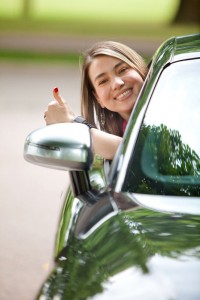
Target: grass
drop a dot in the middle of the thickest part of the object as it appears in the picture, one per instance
(135, 19)
(141, 18)
(37, 57)
(122, 10)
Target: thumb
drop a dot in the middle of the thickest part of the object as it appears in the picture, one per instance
(57, 96)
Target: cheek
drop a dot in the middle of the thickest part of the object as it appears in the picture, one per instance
(104, 97)
(99, 97)
(140, 83)
(101, 94)
(135, 78)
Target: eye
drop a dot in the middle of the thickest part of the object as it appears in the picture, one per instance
(102, 81)
(123, 69)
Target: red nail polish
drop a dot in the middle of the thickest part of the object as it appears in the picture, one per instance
(55, 89)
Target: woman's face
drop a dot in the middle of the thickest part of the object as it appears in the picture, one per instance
(116, 84)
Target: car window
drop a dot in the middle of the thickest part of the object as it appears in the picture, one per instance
(166, 159)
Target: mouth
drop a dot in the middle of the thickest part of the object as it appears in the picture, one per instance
(124, 94)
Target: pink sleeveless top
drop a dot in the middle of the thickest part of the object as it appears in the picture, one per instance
(124, 126)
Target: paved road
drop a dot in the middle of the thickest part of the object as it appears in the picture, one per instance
(30, 199)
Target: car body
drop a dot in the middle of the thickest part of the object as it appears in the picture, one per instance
(130, 228)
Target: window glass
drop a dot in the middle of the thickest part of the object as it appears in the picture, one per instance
(166, 159)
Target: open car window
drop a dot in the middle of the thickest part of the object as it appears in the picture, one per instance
(166, 159)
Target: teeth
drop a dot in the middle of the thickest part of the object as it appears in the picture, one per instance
(123, 94)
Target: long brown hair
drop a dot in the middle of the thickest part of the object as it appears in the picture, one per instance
(90, 108)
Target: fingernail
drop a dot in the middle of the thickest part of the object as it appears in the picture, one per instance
(55, 89)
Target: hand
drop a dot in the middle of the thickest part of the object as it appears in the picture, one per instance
(58, 110)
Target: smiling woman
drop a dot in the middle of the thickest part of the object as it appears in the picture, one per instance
(116, 74)
(124, 10)
(112, 77)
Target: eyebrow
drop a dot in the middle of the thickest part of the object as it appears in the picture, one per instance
(114, 68)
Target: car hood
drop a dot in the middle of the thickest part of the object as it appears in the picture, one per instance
(135, 254)
(166, 279)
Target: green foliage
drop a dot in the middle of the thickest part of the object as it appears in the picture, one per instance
(82, 18)
(121, 10)
(113, 20)
(163, 164)
(38, 57)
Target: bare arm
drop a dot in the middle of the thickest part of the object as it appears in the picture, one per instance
(105, 144)
(58, 111)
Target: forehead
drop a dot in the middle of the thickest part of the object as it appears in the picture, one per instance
(102, 64)
(105, 58)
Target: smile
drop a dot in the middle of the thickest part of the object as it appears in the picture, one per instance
(124, 94)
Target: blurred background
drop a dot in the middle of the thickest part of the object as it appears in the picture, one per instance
(40, 46)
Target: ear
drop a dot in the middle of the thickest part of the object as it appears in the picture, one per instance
(97, 98)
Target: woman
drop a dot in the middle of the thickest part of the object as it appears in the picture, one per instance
(112, 77)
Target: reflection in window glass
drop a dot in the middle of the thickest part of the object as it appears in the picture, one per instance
(166, 158)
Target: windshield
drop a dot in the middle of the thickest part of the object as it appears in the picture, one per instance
(166, 157)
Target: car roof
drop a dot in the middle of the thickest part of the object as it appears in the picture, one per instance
(176, 49)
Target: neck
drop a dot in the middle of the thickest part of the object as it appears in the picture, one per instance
(125, 116)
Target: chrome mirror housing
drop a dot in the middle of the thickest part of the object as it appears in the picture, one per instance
(63, 146)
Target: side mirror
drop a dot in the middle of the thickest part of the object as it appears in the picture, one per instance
(63, 146)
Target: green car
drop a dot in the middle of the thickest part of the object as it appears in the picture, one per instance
(130, 228)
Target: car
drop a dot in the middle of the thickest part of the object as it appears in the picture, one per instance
(130, 227)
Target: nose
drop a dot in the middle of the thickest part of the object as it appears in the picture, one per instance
(117, 82)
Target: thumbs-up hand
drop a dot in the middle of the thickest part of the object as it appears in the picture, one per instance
(57, 97)
(58, 111)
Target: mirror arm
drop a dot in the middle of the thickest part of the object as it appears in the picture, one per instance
(81, 187)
